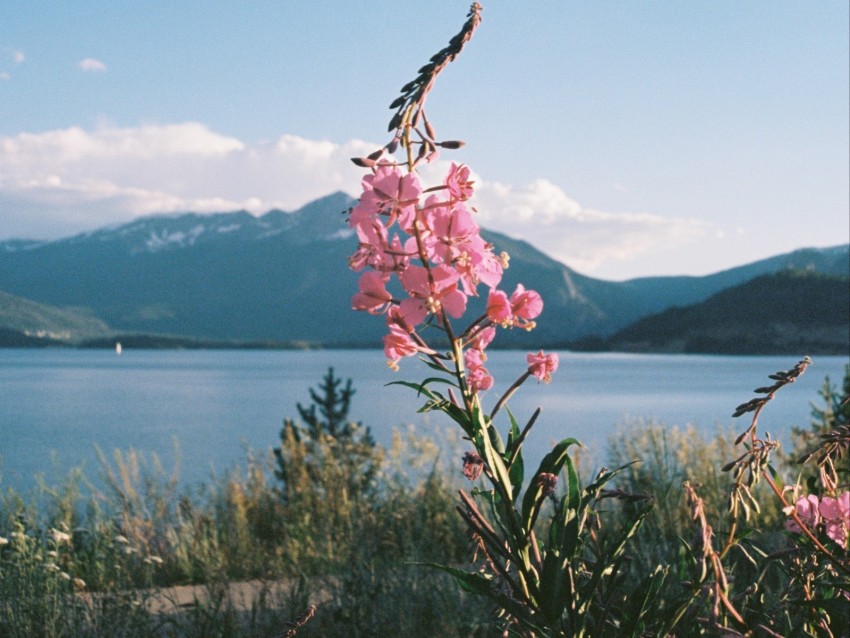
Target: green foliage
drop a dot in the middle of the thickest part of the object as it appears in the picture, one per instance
(327, 468)
(659, 459)
(328, 455)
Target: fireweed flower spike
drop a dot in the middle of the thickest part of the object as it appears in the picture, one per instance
(432, 248)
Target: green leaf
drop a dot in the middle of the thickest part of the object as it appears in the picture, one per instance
(557, 585)
(517, 474)
(558, 588)
(482, 585)
(450, 382)
(605, 564)
(552, 464)
(513, 436)
(592, 490)
(558, 579)
(492, 456)
(573, 513)
(422, 388)
(433, 365)
(419, 387)
(513, 456)
(642, 601)
(437, 401)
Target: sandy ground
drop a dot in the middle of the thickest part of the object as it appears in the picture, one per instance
(239, 597)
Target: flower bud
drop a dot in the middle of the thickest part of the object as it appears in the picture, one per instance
(547, 482)
(363, 162)
(473, 464)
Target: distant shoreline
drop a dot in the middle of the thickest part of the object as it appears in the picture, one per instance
(11, 339)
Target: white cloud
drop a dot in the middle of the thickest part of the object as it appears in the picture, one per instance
(18, 57)
(92, 65)
(66, 181)
(544, 215)
(4, 75)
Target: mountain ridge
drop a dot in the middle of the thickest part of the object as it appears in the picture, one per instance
(283, 277)
(791, 311)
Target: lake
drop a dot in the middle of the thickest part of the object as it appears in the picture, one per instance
(56, 405)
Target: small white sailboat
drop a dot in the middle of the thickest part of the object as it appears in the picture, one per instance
(118, 348)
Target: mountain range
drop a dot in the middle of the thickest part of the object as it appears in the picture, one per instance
(282, 278)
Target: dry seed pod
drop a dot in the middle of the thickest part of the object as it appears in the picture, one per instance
(428, 128)
(423, 151)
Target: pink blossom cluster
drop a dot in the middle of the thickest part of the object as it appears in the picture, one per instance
(430, 243)
(832, 513)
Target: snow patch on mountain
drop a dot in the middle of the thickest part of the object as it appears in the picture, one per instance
(169, 239)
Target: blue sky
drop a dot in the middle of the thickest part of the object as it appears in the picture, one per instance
(623, 138)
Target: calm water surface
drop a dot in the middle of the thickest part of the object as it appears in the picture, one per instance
(57, 406)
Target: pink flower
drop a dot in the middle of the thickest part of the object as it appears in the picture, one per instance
(474, 358)
(476, 264)
(373, 296)
(399, 342)
(499, 308)
(479, 379)
(453, 232)
(460, 186)
(807, 509)
(386, 192)
(836, 515)
(482, 338)
(372, 238)
(525, 305)
(487, 267)
(542, 365)
(425, 298)
(477, 376)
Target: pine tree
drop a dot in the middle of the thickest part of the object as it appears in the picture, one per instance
(328, 412)
(326, 456)
(829, 431)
